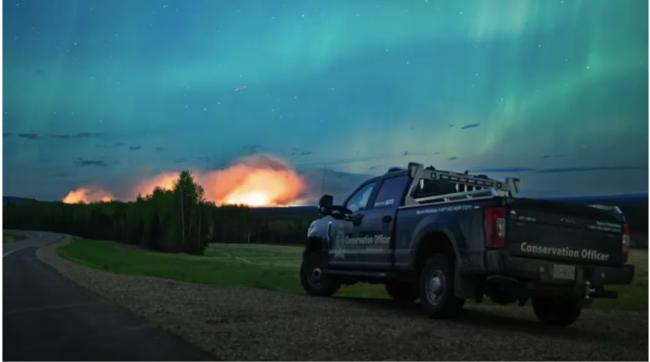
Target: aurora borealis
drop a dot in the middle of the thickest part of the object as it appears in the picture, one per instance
(108, 92)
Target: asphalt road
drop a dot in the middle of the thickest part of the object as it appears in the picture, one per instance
(48, 317)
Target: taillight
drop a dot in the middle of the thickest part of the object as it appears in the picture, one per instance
(494, 225)
(625, 242)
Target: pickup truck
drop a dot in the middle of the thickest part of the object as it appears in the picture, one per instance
(444, 237)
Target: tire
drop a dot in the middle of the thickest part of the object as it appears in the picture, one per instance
(312, 278)
(556, 311)
(437, 288)
(402, 291)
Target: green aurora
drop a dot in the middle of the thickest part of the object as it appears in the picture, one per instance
(106, 92)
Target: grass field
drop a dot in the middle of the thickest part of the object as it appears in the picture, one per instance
(10, 236)
(635, 295)
(272, 267)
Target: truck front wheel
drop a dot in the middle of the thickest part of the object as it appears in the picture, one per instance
(437, 287)
(556, 311)
(313, 279)
(402, 291)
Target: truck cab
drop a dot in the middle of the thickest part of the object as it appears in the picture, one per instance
(444, 237)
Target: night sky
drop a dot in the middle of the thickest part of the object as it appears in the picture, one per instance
(109, 92)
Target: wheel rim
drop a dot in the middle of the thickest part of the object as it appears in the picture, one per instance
(315, 276)
(435, 287)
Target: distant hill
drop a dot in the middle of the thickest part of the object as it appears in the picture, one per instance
(284, 211)
(15, 200)
(621, 199)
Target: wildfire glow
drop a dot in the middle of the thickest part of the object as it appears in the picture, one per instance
(87, 194)
(250, 199)
(259, 180)
(164, 181)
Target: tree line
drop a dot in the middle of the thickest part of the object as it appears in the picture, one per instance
(176, 220)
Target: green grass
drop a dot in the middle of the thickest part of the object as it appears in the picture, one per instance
(273, 267)
(633, 296)
(250, 265)
(10, 236)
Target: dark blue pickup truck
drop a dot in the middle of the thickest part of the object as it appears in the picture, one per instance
(443, 237)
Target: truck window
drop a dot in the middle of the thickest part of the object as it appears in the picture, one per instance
(433, 188)
(359, 200)
(390, 193)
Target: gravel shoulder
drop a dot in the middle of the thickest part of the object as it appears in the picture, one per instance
(254, 324)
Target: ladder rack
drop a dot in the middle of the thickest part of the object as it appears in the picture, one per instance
(466, 186)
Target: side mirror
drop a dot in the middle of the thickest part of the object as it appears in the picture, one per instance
(326, 204)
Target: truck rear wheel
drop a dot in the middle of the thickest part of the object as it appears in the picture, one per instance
(556, 311)
(437, 288)
(312, 277)
(402, 291)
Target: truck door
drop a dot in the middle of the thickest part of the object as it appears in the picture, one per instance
(344, 248)
(373, 226)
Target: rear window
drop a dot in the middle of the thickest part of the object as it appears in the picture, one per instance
(427, 188)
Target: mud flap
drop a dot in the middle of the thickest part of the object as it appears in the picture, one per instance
(464, 284)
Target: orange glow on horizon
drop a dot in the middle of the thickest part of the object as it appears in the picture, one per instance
(86, 195)
(259, 180)
(253, 185)
(164, 181)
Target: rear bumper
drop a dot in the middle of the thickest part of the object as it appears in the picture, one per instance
(541, 271)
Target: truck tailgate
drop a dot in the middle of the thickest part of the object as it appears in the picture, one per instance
(557, 231)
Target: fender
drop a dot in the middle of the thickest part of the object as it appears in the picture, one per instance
(425, 228)
(318, 234)
(465, 285)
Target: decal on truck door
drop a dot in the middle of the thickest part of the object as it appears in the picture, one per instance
(344, 244)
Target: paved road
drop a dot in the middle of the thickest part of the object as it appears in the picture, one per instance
(49, 317)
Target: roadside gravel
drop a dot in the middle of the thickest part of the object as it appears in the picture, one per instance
(254, 324)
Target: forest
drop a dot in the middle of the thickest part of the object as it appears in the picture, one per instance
(176, 220)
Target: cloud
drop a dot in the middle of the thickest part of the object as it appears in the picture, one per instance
(553, 156)
(83, 163)
(328, 181)
(471, 125)
(348, 160)
(29, 136)
(588, 169)
(557, 169)
(252, 148)
(6, 134)
(76, 135)
(452, 158)
(135, 148)
(504, 169)
(295, 151)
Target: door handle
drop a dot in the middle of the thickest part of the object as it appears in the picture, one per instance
(386, 219)
(356, 219)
